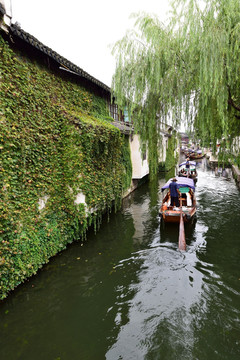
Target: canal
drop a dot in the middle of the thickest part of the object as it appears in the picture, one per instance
(128, 293)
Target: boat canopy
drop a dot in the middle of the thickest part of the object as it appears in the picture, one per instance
(190, 162)
(181, 181)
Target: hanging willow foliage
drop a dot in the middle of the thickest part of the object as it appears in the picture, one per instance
(185, 70)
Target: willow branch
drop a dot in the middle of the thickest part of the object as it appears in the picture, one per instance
(231, 102)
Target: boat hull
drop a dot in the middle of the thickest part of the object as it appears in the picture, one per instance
(173, 216)
(191, 176)
(196, 157)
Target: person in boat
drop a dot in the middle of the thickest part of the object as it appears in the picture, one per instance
(188, 166)
(174, 192)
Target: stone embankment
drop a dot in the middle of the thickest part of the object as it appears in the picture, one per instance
(236, 174)
(235, 170)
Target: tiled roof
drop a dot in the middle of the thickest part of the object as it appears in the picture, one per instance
(63, 62)
(16, 31)
(2, 10)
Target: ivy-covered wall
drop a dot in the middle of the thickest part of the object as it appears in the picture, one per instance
(56, 141)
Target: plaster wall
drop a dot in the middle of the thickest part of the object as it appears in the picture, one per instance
(163, 150)
(140, 167)
(236, 145)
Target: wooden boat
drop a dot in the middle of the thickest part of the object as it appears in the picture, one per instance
(171, 214)
(195, 155)
(188, 152)
(188, 173)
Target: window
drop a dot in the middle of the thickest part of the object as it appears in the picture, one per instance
(126, 119)
(114, 111)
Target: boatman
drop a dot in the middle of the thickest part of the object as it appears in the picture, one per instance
(188, 167)
(174, 192)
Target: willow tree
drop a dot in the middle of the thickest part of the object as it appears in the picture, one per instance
(185, 69)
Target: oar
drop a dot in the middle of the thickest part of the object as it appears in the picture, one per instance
(181, 237)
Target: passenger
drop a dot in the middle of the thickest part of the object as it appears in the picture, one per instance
(174, 192)
(188, 166)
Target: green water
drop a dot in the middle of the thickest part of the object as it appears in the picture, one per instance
(128, 293)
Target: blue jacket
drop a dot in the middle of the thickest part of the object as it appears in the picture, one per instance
(173, 189)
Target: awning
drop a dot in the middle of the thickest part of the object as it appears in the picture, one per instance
(190, 162)
(181, 181)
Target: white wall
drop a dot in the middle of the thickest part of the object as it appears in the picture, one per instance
(163, 149)
(236, 145)
(140, 167)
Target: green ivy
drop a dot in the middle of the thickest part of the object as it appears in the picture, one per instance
(126, 159)
(56, 141)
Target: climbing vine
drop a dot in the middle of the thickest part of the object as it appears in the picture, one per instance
(56, 144)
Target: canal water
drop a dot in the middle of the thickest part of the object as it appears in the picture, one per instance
(128, 293)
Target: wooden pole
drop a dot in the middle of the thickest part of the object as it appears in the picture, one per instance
(181, 237)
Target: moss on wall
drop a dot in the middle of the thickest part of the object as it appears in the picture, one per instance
(55, 143)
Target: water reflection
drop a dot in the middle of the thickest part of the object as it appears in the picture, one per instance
(129, 293)
(179, 307)
(167, 289)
